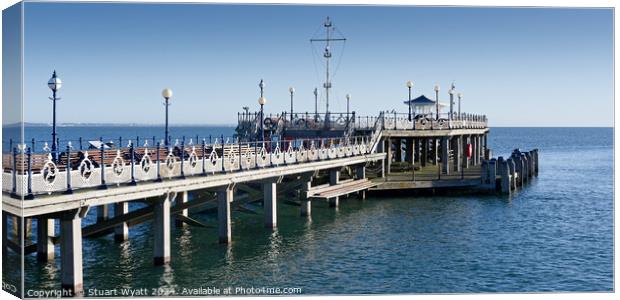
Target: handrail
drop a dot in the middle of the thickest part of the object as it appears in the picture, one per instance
(27, 174)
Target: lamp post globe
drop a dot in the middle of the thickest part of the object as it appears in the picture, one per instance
(167, 94)
(54, 84)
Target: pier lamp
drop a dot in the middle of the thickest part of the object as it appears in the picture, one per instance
(409, 86)
(262, 101)
(167, 94)
(437, 88)
(54, 84)
(451, 91)
(348, 96)
(460, 96)
(292, 91)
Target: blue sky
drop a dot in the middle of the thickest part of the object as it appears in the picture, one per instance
(519, 66)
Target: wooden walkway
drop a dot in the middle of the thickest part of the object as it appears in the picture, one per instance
(429, 177)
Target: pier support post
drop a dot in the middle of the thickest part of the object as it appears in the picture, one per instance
(306, 205)
(334, 179)
(478, 149)
(484, 173)
(5, 229)
(456, 154)
(389, 158)
(71, 252)
(493, 174)
(536, 162)
(505, 177)
(465, 142)
(184, 212)
(121, 231)
(103, 212)
(445, 154)
(409, 153)
(474, 150)
(416, 150)
(424, 156)
(360, 173)
(518, 169)
(530, 165)
(161, 230)
(399, 150)
(270, 203)
(511, 171)
(45, 241)
(525, 168)
(436, 144)
(224, 197)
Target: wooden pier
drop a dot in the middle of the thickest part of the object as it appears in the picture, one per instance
(388, 152)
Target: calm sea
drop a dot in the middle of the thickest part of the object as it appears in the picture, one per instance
(554, 235)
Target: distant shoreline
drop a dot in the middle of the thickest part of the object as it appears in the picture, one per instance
(114, 125)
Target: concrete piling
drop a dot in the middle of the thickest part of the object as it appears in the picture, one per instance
(103, 212)
(45, 239)
(224, 197)
(71, 252)
(360, 173)
(184, 212)
(445, 153)
(270, 203)
(306, 205)
(334, 179)
(161, 230)
(121, 231)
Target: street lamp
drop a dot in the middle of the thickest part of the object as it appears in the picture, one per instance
(262, 101)
(437, 88)
(348, 96)
(167, 94)
(451, 91)
(460, 95)
(292, 91)
(409, 86)
(54, 84)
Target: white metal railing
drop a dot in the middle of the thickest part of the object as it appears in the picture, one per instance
(31, 174)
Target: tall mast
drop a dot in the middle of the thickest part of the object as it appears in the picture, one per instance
(327, 54)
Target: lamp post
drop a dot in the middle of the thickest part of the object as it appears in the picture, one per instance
(451, 91)
(348, 96)
(167, 94)
(409, 86)
(460, 95)
(54, 84)
(316, 107)
(262, 101)
(437, 88)
(292, 91)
